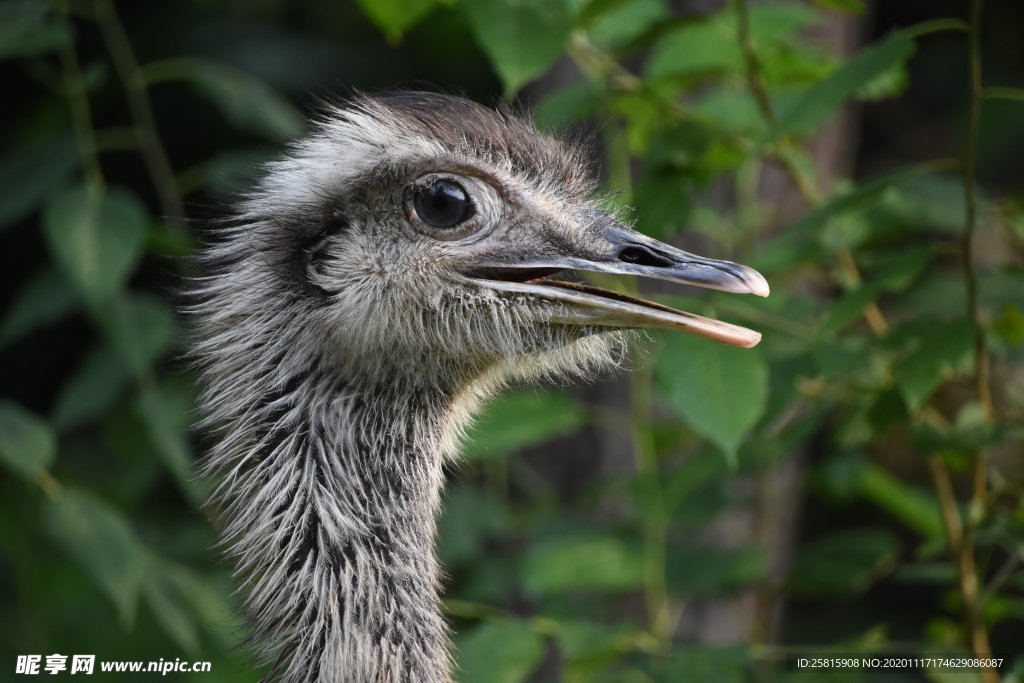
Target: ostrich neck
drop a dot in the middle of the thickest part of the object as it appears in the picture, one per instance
(333, 527)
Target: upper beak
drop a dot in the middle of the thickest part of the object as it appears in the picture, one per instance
(613, 248)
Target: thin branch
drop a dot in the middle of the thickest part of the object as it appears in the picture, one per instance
(969, 172)
(966, 570)
(1004, 574)
(50, 486)
(947, 503)
(655, 519)
(935, 26)
(754, 74)
(1003, 93)
(81, 117)
(152, 150)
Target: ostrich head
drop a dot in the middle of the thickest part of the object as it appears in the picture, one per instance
(397, 261)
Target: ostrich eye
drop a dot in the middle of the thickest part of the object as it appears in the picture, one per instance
(443, 204)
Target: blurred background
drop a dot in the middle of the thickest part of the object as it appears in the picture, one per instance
(854, 484)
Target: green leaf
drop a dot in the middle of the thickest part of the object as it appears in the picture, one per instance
(1009, 325)
(718, 663)
(937, 351)
(867, 194)
(603, 563)
(818, 103)
(102, 542)
(712, 44)
(232, 172)
(916, 508)
(470, 516)
(27, 444)
(699, 508)
(719, 390)
(930, 201)
(699, 471)
(92, 389)
(705, 570)
(164, 598)
(395, 17)
(499, 651)
(587, 639)
(210, 603)
(624, 21)
(44, 299)
(248, 102)
(139, 325)
(937, 573)
(566, 106)
(890, 83)
(244, 100)
(518, 420)
(643, 118)
(28, 173)
(522, 38)
(96, 238)
(733, 109)
(662, 202)
(790, 67)
(706, 46)
(844, 562)
(27, 29)
(166, 420)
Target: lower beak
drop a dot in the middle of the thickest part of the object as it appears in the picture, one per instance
(626, 252)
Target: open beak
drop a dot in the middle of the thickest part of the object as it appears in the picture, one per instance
(614, 248)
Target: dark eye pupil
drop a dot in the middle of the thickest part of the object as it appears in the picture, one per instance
(444, 204)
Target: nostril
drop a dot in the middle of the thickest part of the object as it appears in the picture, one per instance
(642, 256)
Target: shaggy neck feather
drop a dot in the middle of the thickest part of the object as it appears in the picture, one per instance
(333, 508)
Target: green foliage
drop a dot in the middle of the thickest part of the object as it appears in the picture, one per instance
(719, 391)
(819, 101)
(500, 650)
(96, 237)
(518, 420)
(29, 29)
(711, 45)
(602, 563)
(245, 101)
(27, 445)
(43, 299)
(573, 562)
(100, 539)
(28, 173)
(394, 17)
(844, 563)
(522, 37)
(705, 570)
(91, 389)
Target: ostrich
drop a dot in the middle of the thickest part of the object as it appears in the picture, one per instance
(380, 281)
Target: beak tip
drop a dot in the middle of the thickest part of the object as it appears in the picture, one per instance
(756, 283)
